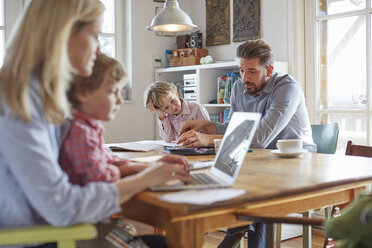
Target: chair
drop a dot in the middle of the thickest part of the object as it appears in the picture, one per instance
(353, 149)
(325, 137)
(65, 237)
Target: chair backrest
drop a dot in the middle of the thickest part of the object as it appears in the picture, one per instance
(325, 137)
(358, 150)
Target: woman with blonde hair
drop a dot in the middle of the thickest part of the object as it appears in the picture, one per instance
(55, 40)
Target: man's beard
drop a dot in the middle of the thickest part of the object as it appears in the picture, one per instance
(255, 91)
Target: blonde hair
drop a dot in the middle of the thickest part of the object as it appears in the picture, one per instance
(39, 47)
(105, 68)
(157, 91)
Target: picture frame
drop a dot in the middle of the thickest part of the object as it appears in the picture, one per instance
(217, 22)
(246, 20)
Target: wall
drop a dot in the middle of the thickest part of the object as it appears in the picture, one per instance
(134, 122)
(273, 28)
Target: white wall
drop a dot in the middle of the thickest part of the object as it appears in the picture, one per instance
(134, 122)
(273, 28)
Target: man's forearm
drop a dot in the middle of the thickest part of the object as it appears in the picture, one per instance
(210, 128)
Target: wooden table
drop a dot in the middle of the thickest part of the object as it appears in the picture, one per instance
(274, 186)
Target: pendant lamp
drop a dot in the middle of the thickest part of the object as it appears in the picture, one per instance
(171, 19)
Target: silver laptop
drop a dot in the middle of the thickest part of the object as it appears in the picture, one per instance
(229, 159)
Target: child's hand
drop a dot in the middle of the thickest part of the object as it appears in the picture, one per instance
(151, 107)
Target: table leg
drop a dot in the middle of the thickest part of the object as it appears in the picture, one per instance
(269, 235)
(186, 234)
(306, 236)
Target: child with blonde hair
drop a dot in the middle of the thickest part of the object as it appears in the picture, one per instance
(172, 111)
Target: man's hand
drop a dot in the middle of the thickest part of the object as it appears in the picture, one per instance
(151, 107)
(199, 125)
(193, 139)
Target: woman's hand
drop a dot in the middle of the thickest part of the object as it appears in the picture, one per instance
(167, 168)
(193, 139)
(151, 107)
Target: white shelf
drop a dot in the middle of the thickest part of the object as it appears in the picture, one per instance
(228, 64)
(217, 105)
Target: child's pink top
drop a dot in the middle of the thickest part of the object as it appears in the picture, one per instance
(170, 127)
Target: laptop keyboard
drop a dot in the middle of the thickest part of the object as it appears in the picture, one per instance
(202, 178)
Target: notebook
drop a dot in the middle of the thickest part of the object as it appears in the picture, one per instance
(229, 159)
(180, 150)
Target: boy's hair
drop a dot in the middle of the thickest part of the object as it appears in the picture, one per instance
(104, 68)
(256, 49)
(38, 47)
(157, 91)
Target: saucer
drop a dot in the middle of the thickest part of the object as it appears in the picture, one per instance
(289, 154)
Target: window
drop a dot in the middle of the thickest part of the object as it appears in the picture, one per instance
(2, 32)
(107, 37)
(341, 59)
(112, 34)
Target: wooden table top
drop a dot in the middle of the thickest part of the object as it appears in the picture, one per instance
(265, 176)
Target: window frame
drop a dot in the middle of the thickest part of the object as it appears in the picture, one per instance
(312, 68)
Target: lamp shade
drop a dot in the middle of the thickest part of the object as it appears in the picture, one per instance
(171, 19)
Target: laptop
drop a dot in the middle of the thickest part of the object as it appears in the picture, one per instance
(229, 159)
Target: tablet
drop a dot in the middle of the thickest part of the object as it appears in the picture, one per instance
(205, 150)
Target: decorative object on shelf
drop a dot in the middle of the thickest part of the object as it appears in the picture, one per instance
(206, 60)
(218, 22)
(246, 20)
(171, 19)
(191, 56)
(196, 39)
(183, 41)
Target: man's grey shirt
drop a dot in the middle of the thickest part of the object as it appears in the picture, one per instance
(283, 109)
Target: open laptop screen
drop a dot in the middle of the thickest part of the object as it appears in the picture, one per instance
(235, 147)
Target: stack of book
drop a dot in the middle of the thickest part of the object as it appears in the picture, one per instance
(225, 84)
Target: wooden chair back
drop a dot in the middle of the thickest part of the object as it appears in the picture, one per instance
(358, 150)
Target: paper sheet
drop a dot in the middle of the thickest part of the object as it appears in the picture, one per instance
(139, 146)
(202, 197)
(147, 159)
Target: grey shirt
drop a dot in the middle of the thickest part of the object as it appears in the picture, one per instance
(283, 109)
(33, 188)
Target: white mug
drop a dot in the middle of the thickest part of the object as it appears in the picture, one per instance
(217, 144)
(289, 145)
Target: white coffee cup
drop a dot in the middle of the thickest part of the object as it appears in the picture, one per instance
(289, 145)
(217, 144)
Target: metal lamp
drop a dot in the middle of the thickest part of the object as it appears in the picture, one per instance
(171, 19)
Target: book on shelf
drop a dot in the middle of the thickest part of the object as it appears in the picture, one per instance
(230, 80)
(226, 113)
(225, 83)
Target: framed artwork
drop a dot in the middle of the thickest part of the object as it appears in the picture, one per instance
(218, 22)
(246, 20)
(158, 33)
